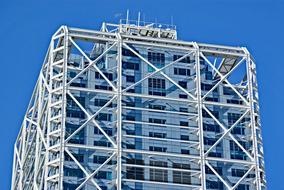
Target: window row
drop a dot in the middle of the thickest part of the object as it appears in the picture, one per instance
(81, 115)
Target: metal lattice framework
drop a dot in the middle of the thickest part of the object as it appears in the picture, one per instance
(42, 143)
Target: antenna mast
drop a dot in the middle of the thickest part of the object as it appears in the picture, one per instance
(127, 15)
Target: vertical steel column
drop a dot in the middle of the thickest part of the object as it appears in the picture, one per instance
(63, 108)
(14, 168)
(50, 73)
(22, 152)
(39, 106)
(252, 118)
(200, 119)
(119, 109)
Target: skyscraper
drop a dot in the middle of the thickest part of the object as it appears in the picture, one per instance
(132, 107)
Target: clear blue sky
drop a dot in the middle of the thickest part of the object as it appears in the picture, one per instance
(26, 28)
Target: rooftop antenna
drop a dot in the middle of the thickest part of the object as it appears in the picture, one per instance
(172, 21)
(138, 18)
(127, 15)
(156, 22)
